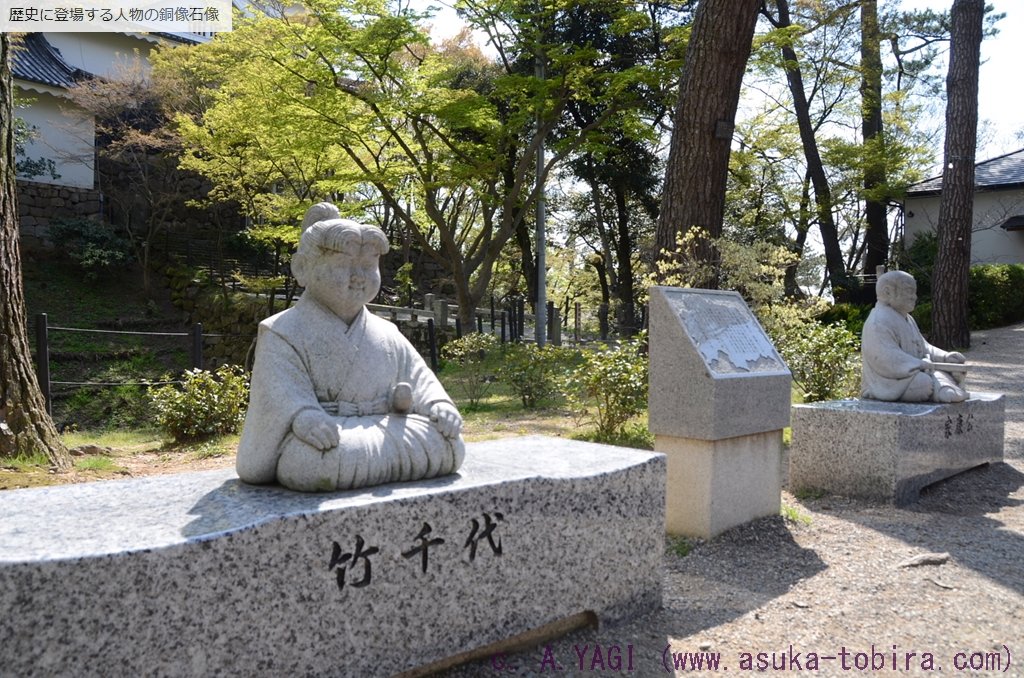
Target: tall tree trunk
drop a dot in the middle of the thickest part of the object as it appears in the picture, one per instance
(709, 91)
(628, 325)
(956, 208)
(524, 239)
(877, 235)
(25, 426)
(834, 264)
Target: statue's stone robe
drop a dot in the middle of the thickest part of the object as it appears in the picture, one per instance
(308, 358)
(891, 350)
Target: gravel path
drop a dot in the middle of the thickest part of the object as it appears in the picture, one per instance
(838, 577)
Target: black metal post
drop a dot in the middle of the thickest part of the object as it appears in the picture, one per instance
(503, 327)
(43, 360)
(480, 324)
(577, 321)
(550, 329)
(432, 340)
(458, 328)
(492, 314)
(521, 312)
(197, 346)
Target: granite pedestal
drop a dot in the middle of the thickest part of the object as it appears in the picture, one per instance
(719, 399)
(889, 451)
(199, 574)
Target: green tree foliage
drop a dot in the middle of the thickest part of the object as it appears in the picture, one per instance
(349, 99)
(25, 166)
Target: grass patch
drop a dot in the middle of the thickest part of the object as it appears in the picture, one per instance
(97, 463)
(217, 447)
(210, 447)
(24, 462)
(129, 440)
(635, 434)
(809, 493)
(793, 515)
(680, 546)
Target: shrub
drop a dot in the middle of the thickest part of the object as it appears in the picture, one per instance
(535, 374)
(92, 245)
(205, 404)
(994, 295)
(609, 386)
(473, 354)
(852, 316)
(824, 359)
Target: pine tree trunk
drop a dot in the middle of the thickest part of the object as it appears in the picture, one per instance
(956, 208)
(709, 90)
(25, 426)
(877, 225)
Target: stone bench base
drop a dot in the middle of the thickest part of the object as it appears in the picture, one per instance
(889, 451)
(198, 574)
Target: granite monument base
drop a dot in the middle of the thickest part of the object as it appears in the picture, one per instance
(714, 485)
(889, 451)
(199, 574)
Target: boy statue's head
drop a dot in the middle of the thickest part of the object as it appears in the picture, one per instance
(897, 289)
(337, 262)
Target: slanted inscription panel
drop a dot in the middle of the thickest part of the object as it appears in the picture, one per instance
(728, 336)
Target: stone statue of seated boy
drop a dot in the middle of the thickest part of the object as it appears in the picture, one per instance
(897, 363)
(339, 398)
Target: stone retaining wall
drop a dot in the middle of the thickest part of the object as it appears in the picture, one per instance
(39, 204)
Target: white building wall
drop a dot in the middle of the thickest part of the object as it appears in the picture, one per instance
(990, 243)
(105, 54)
(64, 134)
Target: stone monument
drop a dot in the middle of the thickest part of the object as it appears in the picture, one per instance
(915, 424)
(339, 398)
(719, 399)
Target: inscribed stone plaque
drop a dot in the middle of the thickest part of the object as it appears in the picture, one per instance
(729, 338)
(714, 372)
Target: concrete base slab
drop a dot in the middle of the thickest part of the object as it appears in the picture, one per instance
(714, 485)
(890, 451)
(199, 574)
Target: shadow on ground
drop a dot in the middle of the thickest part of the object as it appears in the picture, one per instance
(966, 519)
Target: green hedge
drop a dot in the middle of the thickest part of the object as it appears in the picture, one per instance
(995, 295)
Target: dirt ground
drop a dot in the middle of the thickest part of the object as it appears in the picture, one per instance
(839, 587)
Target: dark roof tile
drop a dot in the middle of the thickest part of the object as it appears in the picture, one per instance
(36, 60)
(1006, 170)
(1014, 223)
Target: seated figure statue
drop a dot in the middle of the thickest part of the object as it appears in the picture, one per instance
(897, 363)
(339, 398)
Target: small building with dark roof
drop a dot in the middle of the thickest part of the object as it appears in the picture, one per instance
(44, 66)
(998, 230)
